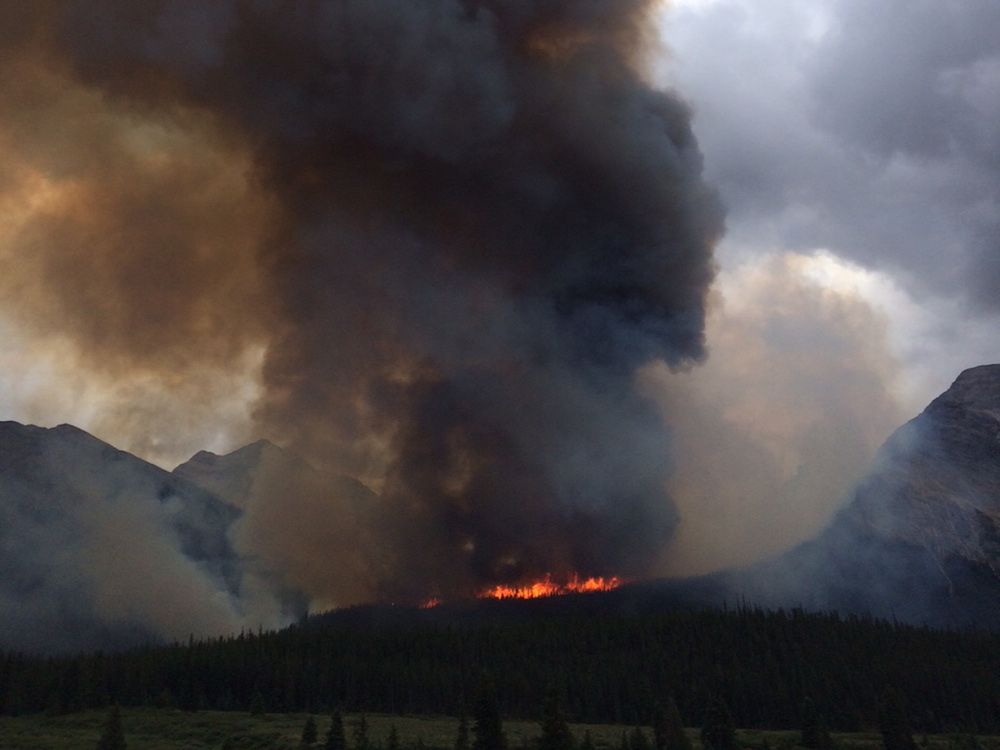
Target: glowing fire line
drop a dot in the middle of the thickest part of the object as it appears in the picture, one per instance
(548, 587)
(543, 588)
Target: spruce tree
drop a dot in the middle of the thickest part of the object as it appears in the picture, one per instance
(487, 728)
(894, 723)
(462, 736)
(718, 733)
(309, 732)
(814, 731)
(112, 738)
(668, 728)
(555, 730)
(361, 741)
(257, 704)
(335, 739)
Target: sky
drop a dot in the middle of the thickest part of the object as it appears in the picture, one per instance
(856, 150)
(853, 147)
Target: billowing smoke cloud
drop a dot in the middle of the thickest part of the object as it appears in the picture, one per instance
(456, 229)
(774, 431)
(876, 140)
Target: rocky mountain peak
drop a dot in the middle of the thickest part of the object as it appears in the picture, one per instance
(977, 389)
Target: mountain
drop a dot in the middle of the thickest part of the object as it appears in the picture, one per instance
(304, 528)
(98, 546)
(100, 549)
(262, 467)
(920, 539)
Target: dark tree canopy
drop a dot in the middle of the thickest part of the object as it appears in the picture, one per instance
(610, 667)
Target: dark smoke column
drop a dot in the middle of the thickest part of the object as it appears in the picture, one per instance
(490, 221)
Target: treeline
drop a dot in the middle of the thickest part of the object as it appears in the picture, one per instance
(611, 669)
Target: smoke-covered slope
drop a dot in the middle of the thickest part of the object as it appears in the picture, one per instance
(921, 538)
(308, 531)
(242, 475)
(98, 547)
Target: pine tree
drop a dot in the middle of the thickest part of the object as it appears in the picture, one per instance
(393, 743)
(335, 739)
(588, 741)
(309, 732)
(894, 723)
(487, 727)
(555, 730)
(814, 731)
(462, 737)
(112, 738)
(257, 704)
(668, 728)
(717, 733)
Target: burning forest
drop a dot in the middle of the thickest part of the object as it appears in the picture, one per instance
(475, 222)
(450, 273)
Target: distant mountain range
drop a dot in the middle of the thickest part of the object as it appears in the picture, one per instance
(98, 547)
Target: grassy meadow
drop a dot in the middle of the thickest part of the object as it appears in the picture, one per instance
(169, 729)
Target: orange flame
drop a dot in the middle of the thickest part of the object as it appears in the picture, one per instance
(542, 588)
(547, 587)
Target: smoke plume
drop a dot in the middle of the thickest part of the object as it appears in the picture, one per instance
(773, 432)
(456, 229)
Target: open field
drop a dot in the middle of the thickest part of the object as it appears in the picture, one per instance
(165, 729)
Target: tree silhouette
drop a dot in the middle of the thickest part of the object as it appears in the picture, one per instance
(361, 741)
(718, 733)
(462, 736)
(894, 723)
(257, 704)
(668, 728)
(555, 730)
(814, 731)
(112, 738)
(335, 739)
(309, 732)
(487, 728)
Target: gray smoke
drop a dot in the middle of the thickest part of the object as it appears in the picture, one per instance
(482, 221)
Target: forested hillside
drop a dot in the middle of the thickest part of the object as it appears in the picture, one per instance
(610, 668)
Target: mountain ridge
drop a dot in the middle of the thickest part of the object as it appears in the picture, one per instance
(919, 540)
